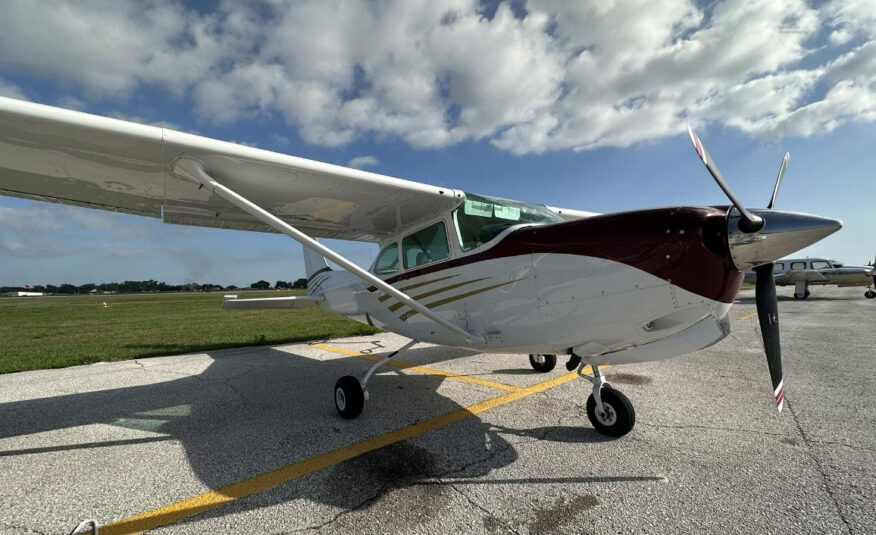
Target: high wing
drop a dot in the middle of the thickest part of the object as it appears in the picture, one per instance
(69, 157)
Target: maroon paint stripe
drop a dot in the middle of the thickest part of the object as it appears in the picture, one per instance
(670, 243)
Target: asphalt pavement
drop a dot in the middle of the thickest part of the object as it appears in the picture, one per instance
(247, 440)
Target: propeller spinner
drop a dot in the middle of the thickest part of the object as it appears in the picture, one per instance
(759, 238)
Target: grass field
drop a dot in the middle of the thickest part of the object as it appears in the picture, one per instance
(56, 331)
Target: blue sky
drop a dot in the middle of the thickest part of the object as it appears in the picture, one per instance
(568, 104)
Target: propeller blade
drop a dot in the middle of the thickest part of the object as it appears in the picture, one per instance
(768, 316)
(779, 180)
(748, 222)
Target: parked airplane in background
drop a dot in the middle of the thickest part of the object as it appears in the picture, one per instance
(454, 268)
(801, 272)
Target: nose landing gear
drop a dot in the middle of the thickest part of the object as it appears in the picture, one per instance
(610, 412)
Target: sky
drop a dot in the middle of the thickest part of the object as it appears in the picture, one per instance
(574, 104)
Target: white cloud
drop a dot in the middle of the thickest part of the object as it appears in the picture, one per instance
(567, 75)
(11, 90)
(360, 162)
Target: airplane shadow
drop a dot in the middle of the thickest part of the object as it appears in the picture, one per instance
(250, 412)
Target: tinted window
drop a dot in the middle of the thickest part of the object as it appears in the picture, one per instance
(482, 218)
(425, 246)
(820, 264)
(798, 265)
(387, 260)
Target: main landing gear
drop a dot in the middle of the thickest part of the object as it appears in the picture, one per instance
(610, 412)
(543, 363)
(869, 294)
(351, 393)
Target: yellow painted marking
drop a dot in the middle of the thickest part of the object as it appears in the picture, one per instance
(745, 317)
(423, 369)
(268, 480)
(383, 298)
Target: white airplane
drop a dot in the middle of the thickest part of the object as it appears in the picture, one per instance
(454, 268)
(801, 272)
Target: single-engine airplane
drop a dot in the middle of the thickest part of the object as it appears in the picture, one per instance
(454, 268)
(801, 272)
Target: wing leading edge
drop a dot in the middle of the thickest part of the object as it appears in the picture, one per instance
(69, 157)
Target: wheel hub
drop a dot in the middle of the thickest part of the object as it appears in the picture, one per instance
(340, 399)
(608, 416)
(539, 359)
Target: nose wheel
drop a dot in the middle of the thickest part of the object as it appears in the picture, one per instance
(610, 412)
(869, 294)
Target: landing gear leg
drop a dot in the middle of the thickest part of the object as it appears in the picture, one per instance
(351, 393)
(610, 412)
(801, 290)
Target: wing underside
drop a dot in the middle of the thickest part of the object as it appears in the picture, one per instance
(68, 157)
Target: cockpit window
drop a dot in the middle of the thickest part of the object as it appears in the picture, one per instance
(482, 218)
(387, 260)
(836, 264)
(820, 264)
(425, 246)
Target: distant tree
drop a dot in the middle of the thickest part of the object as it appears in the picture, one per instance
(300, 283)
(51, 288)
(86, 288)
(260, 285)
(231, 287)
(67, 289)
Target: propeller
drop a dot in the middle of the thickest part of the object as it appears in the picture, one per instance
(765, 286)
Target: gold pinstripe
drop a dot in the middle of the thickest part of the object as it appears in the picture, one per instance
(383, 298)
(444, 301)
(430, 293)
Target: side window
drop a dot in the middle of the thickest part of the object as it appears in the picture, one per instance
(798, 265)
(820, 264)
(387, 260)
(778, 267)
(425, 246)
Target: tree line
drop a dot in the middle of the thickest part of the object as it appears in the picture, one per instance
(149, 286)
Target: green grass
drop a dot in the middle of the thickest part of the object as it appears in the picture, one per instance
(54, 332)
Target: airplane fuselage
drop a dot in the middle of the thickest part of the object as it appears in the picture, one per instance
(803, 272)
(624, 287)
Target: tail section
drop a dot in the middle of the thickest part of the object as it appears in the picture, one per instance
(316, 269)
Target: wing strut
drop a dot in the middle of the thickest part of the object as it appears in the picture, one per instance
(194, 170)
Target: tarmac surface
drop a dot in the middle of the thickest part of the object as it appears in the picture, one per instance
(247, 440)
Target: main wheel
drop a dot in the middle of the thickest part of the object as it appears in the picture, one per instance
(349, 397)
(619, 417)
(543, 363)
(869, 294)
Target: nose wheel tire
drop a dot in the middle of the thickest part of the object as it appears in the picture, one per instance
(869, 294)
(349, 397)
(619, 416)
(543, 363)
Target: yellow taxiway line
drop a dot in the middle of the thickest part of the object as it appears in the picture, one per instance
(422, 369)
(268, 480)
(746, 316)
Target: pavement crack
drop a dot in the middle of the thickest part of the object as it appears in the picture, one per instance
(710, 428)
(359, 506)
(25, 528)
(818, 465)
(482, 509)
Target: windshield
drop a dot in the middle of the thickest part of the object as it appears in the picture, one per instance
(482, 218)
